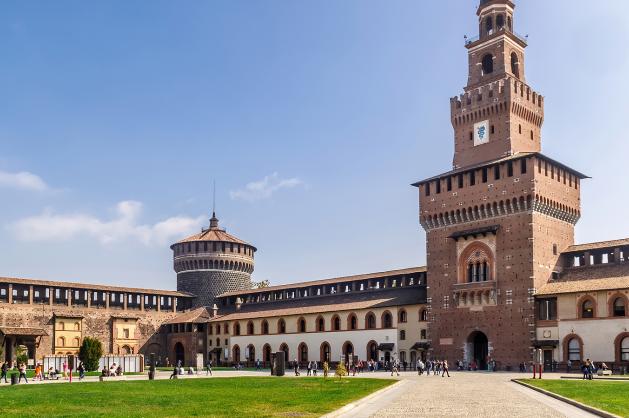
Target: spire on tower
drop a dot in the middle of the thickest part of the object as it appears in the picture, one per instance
(214, 219)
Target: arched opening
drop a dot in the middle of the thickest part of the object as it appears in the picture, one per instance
(352, 322)
(587, 309)
(324, 352)
(284, 348)
(237, 329)
(125, 349)
(336, 323)
(303, 352)
(515, 65)
(251, 353)
(370, 321)
(619, 308)
(500, 22)
(281, 326)
(61, 342)
(266, 353)
(348, 350)
(77, 326)
(574, 350)
(265, 327)
(179, 354)
(488, 64)
(372, 351)
(624, 349)
(423, 315)
(387, 320)
(403, 317)
(479, 349)
(77, 343)
(302, 325)
(250, 328)
(320, 324)
(236, 354)
(489, 25)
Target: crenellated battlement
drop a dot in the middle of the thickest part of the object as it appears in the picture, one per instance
(507, 88)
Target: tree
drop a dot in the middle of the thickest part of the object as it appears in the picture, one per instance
(341, 370)
(261, 284)
(90, 353)
(21, 354)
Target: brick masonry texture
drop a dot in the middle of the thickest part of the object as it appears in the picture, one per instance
(206, 285)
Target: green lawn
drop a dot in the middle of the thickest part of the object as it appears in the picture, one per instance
(219, 397)
(606, 395)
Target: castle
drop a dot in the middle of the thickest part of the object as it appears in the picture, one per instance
(503, 276)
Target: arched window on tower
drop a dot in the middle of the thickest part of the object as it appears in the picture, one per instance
(515, 65)
(619, 307)
(489, 25)
(509, 24)
(477, 266)
(500, 22)
(488, 64)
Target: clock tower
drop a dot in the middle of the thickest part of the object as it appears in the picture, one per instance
(497, 222)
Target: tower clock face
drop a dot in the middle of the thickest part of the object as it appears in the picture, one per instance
(481, 133)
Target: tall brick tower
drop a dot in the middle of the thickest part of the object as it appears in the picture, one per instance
(212, 262)
(497, 222)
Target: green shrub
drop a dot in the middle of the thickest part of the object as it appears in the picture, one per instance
(90, 353)
(21, 355)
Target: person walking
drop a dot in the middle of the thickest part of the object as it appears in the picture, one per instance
(444, 368)
(326, 369)
(309, 368)
(296, 364)
(5, 368)
(22, 370)
(208, 370)
(395, 367)
(81, 370)
(569, 366)
(65, 370)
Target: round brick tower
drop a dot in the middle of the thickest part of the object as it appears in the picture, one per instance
(212, 262)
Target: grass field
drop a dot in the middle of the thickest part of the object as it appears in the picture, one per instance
(609, 396)
(219, 397)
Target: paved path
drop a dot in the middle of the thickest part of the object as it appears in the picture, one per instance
(463, 395)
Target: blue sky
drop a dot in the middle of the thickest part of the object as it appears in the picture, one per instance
(313, 117)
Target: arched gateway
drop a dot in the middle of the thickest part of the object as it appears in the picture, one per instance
(478, 349)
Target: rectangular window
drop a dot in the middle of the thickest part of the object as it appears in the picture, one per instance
(449, 183)
(497, 172)
(510, 169)
(484, 174)
(427, 189)
(472, 178)
(547, 309)
(438, 186)
(460, 178)
(523, 166)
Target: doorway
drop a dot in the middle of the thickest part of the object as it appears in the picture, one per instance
(480, 349)
(179, 354)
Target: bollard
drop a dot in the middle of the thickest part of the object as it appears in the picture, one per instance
(14, 378)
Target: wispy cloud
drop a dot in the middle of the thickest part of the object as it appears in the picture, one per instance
(56, 227)
(265, 188)
(22, 180)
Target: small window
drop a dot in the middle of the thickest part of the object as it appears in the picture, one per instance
(523, 166)
(472, 178)
(510, 169)
(520, 128)
(488, 64)
(587, 309)
(471, 136)
(449, 183)
(484, 174)
(531, 135)
(402, 335)
(493, 129)
(500, 22)
(438, 186)
(497, 172)
(555, 251)
(427, 189)
(619, 307)
(460, 180)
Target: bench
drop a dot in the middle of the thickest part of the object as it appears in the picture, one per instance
(112, 378)
(604, 372)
